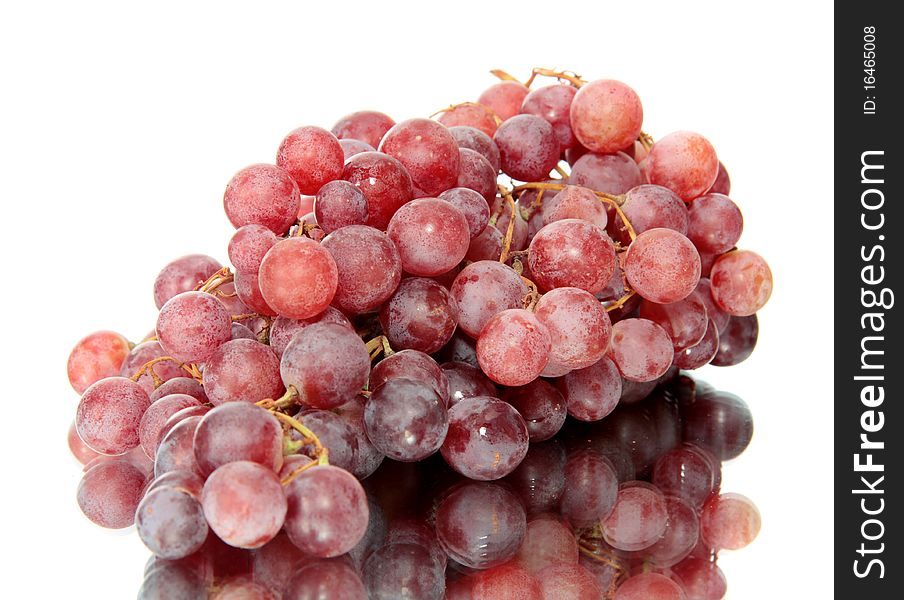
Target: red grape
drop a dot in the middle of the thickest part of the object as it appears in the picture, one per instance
(685, 472)
(335, 579)
(338, 204)
(477, 174)
(431, 235)
(684, 162)
(606, 115)
(312, 156)
(283, 329)
(420, 315)
(540, 478)
(729, 521)
(183, 275)
(640, 349)
(97, 356)
(80, 449)
(406, 419)
(579, 327)
(247, 288)
(466, 381)
(171, 523)
(609, 173)
(472, 205)
(701, 579)
(474, 139)
(741, 282)
(368, 264)
(684, 321)
(680, 537)
(156, 416)
(513, 347)
(427, 150)
(242, 370)
(262, 194)
(528, 147)
(593, 392)
(383, 181)
(470, 114)
(649, 207)
(506, 582)
(414, 365)
(327, 363)
(571, 253)
(504, 98)
(553, 103)
(248, 246)
(109, 493)
(542, 407)
(649, 586)
(238, 431)
(591, 489)
(737, 341)
(482, 290)
(714, 223)
(567, 582)
(547, 542)
(486, 440)
(327, 511)
(175, 452)
(662, 265)
(403, 571)
(109, 414)
(369, 126)
(244, 504)
(298, 278)
(575, 202)
(701, 353)
(723, 182)
(638, 519)
(704, 294)
(352, 147)
(486, 246)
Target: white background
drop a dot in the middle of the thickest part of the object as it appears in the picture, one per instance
(121, 126)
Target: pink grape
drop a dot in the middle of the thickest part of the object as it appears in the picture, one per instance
(427, 150)
(192, 325)
(109, 414)
(298, 278)
(414, 365)
(504, 98)
(183, 275)
(684, 321)
(571, 253)
(368, 264)
(369, 126)
(242, 370)
(528, 147)
(737, 341)
(640, 349)
(741, 282)
(684, 162)
(638, 519)
(262, 194)
(327, 363)
(327, 513)
(431, 235)
(95, 357)
(649, 586)
(680, 537)
(662, 266)
(352, 147)
(723, 182)
(466, 381)
(248, 246)
(606, 115)
(609, 173)
(553, 103)
(282, 330)
(338, 204)
(476, 173)
(579, 327)
(513, 347)
(713, 311)
(567, 582)
(649, 207)
(247, 288)
(700, 578)
(472, 205)
(109, 493)
(469, 114)
(729, 521)
(175, 452)
(701, 353)
(542, 407)
(80, 449)
(171, 523)
(482, 290)
(156, 416)
(383, 180)
(486, 439)
(406, 419)
(547, 542)
(420, 315)
(474, 139)
(506, 582)
(593, 392)
(575, 202)
(591, 488)
(241, 332)
(188, 481)
(486, 246)
(312, 156)
(714, 223)
(685, 472)
(480, 525)
(244, 504)
(238, 431)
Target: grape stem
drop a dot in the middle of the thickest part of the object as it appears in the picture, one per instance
(295, 473)
(379, 345)
(244, 316)
(310, 437)
(222, 276)
(614, 201)
(533, 294)
(148, 368)
(510, 230)
(569, 76)
(284, 401)
(487, 109)
(564, 174)
(646, 140)
(620, 302)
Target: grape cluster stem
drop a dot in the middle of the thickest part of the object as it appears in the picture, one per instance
(148, 368)
(219, 278)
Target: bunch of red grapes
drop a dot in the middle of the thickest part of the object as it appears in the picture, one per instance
(374, 403)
